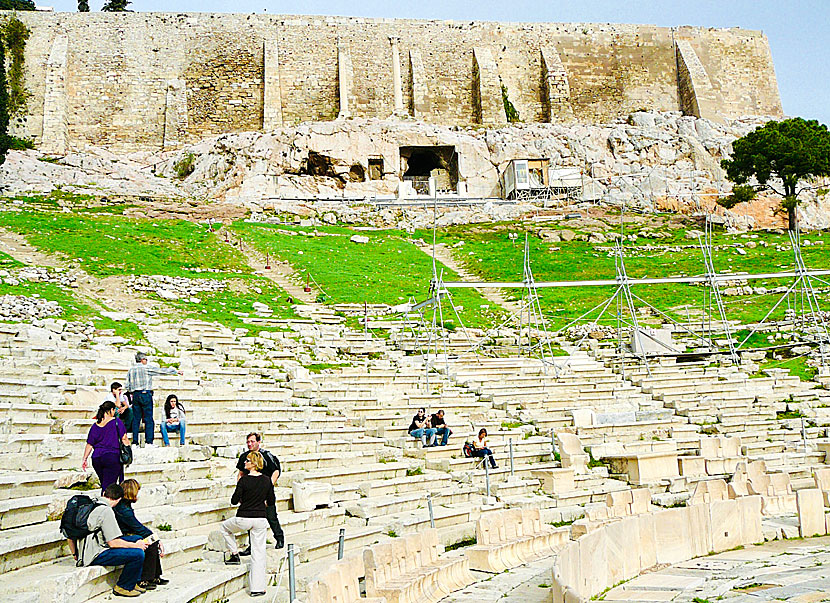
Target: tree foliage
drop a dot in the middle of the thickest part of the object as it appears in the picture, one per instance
(779, 156)
(15, 33)
(83, 6)
(17, 5)
(741, 193)
(4, 107)
(115, 6)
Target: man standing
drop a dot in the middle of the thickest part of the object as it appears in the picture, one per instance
(140, 385)
(271, 468)
(107, 546)
(440, 427)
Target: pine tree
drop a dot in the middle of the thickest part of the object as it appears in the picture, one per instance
(83, 6)
(115, 6)
(17, 5)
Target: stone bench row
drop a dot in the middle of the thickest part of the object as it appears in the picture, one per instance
(410, 570)
(509, 538)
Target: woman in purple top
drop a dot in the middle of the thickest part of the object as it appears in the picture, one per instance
(104, 442)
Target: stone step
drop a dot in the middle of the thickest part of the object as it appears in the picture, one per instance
(59, 580)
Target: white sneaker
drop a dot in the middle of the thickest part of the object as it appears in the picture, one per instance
(149, 445)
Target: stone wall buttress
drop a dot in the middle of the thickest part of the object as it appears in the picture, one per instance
(345, 79)
(55, 128)
(697, 95)
(488, 102)
(271, 95)
(175, 114)
(556, 91)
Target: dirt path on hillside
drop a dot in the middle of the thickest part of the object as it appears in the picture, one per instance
(281, 273)
(108, 294)
(444, 255)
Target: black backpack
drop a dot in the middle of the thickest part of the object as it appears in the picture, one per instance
(75, 517)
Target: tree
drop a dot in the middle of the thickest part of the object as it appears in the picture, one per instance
(788, 151)
(83, 6)
(115, 6)
(4, 107)
(17, 5)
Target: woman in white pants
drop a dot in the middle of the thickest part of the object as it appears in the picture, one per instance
(254, 492)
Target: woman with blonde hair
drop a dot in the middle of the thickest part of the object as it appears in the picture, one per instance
(254, 493)
(129, 524)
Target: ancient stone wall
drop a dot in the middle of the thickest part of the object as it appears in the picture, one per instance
(131, 79)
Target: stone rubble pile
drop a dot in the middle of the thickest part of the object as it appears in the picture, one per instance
(175, 287)
(39, 274)
(592, 330)
(27, 308)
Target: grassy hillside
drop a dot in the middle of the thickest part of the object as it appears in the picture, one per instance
(388, 269)
(490, 254)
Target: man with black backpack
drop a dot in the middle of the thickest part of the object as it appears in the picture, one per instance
(95, 539)
(271, 468)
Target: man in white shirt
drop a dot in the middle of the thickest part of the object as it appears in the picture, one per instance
(107, 546)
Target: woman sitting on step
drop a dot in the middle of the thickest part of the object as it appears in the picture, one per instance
(129, 524)
(481, 450)
(254, 493)
(174, 419)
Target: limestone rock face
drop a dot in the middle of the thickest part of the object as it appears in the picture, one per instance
(650, 161)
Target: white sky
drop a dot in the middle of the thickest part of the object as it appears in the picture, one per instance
(797, 29)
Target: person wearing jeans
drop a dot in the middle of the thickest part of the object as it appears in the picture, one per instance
(254, 493)
(481, 450)
(420, 429)
(107, 546)
(174, 419)
(140, 386)
(437, 422)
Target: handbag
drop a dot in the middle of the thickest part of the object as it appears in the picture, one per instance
(126, 454)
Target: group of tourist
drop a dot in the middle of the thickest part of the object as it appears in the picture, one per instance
(427, 429)
(114, 536)
(122, 410)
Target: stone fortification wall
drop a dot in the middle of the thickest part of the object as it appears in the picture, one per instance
(147, 80)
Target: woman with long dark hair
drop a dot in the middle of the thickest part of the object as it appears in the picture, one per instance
(104, 443)
(174, 419)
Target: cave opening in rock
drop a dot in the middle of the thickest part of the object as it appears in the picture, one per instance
(419, 163)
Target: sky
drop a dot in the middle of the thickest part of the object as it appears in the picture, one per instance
(797, 29)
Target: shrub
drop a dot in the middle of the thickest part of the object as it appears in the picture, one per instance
(185, 166)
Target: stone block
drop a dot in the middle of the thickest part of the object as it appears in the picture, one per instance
(308, 495)
(646, 541)
(700, 530)
(555, 481)
(692, 466)
(726, 520)
(640, 501)
(645, 468)
(751, 528)
(593, 551)
(671, 535)
(811, 520)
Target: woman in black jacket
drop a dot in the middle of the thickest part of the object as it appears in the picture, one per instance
(254, 493)
(129, 524)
